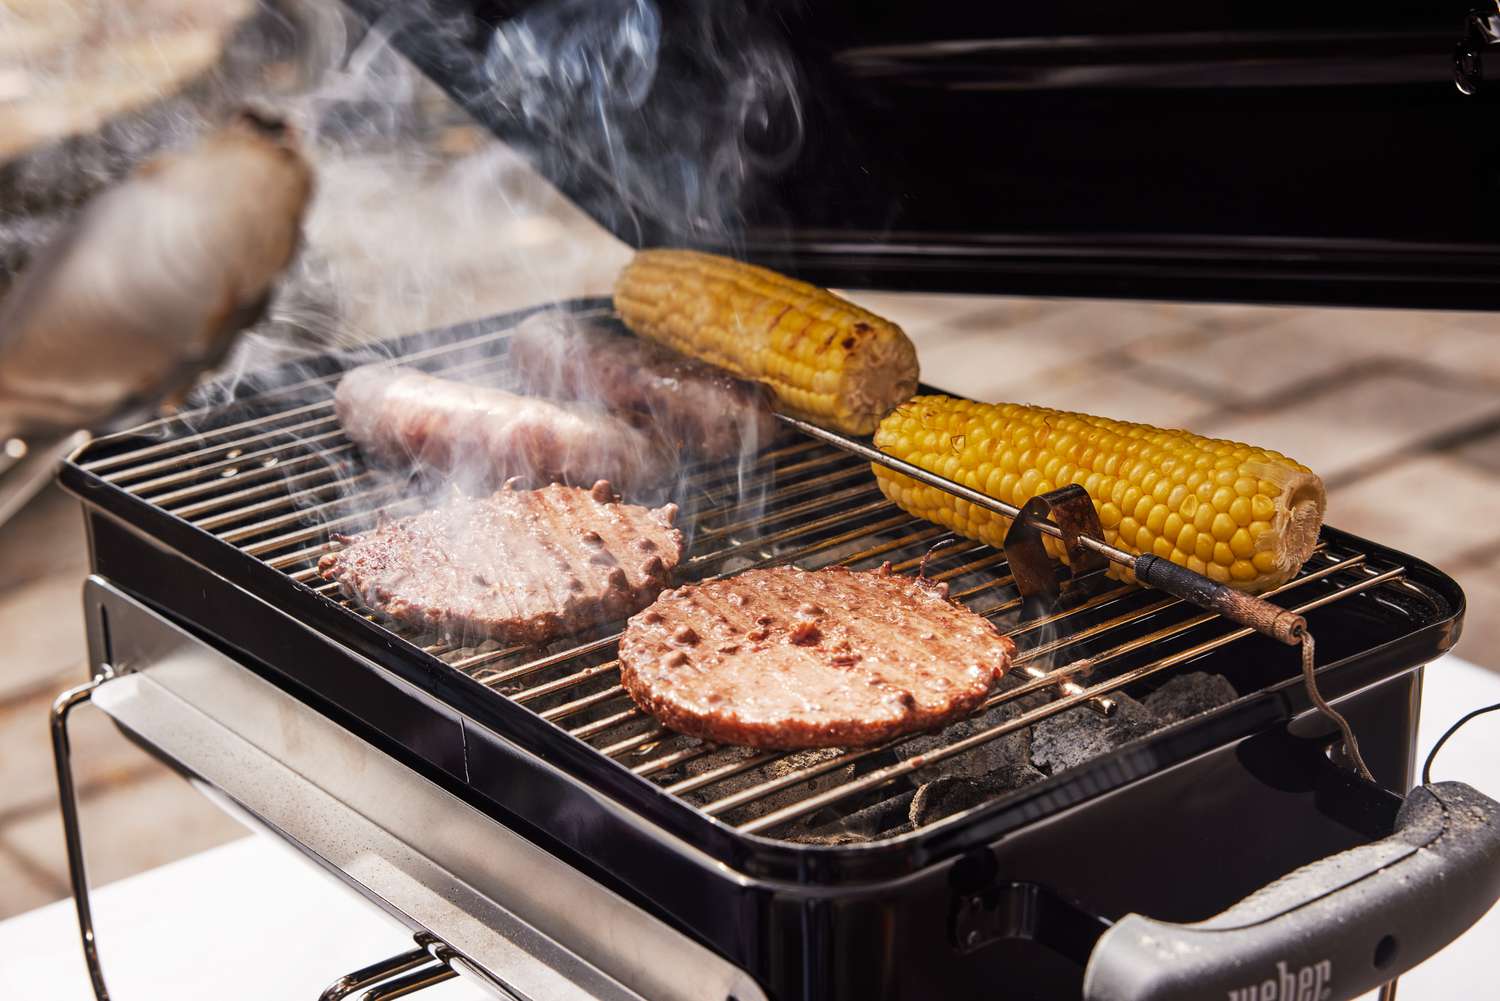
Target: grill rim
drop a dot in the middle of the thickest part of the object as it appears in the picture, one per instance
(342, 628)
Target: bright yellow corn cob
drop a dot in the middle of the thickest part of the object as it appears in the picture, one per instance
(825, 359)
(1244, 516)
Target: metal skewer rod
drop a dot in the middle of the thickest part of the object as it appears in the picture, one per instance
(1244, 609)
(958, 490)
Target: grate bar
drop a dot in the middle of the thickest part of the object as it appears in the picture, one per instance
(562, 684)
(723, 474)
(273, 473)
(134, 455)
(889, 773)
(228, 450)
(608, 723)
(815, 525)
(820, 501)
(265, 458)
(189, 512)
(302, 513)
(682, 757)
(586, 702)
(1066, 672)
(644, 741)
(302, 535)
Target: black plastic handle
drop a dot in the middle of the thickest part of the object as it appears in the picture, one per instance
(1330, 931)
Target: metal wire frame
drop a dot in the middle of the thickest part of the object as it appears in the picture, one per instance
(277, 485)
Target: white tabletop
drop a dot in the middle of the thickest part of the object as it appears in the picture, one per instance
(251, 919)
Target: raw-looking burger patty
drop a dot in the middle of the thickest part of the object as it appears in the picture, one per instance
(485, 436)
(786, 658)
(519, 566)
(697, 406)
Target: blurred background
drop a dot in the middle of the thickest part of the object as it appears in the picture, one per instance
(422, 219)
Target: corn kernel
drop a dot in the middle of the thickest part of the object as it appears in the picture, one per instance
(1157, 519)
(1241, 545)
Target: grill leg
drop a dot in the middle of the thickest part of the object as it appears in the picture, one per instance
(377, 977)
(434, 962)
(68, 801)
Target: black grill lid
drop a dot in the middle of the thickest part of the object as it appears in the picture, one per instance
(1217, 150)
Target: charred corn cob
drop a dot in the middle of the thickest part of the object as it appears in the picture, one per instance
(1244, 516)
(825, 359)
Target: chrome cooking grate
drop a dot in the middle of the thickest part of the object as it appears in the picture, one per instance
(280, 485)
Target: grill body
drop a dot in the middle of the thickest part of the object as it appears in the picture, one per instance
(1176, 826)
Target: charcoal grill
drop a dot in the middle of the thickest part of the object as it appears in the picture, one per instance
(537, 832)
(215, 642)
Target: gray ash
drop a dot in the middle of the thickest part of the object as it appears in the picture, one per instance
(776, 769)
(1073, 737)
(943, 797)
(983, 773)
(1187, 695)
(885, 819)
(1005, 760)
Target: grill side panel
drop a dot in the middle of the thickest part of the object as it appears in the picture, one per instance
(392, 711)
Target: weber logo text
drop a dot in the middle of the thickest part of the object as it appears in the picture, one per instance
(1310, 983)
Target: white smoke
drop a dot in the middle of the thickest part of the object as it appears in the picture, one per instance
(660, 123)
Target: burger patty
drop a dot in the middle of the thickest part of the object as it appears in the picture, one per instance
(481, 436)
(787, 658)
(519, 566)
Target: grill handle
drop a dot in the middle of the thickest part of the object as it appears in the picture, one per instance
(1329, 931)
(1247, 610)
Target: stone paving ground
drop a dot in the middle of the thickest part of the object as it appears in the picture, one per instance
(1399, 411)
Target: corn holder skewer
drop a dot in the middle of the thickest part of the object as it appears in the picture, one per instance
(1245, 609)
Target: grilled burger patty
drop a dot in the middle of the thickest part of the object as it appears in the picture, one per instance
(484, 435)
(697, 406)
(520, 566)
(786, 658)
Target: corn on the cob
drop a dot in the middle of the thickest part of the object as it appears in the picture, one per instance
(825, 359)
(1244, 516)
